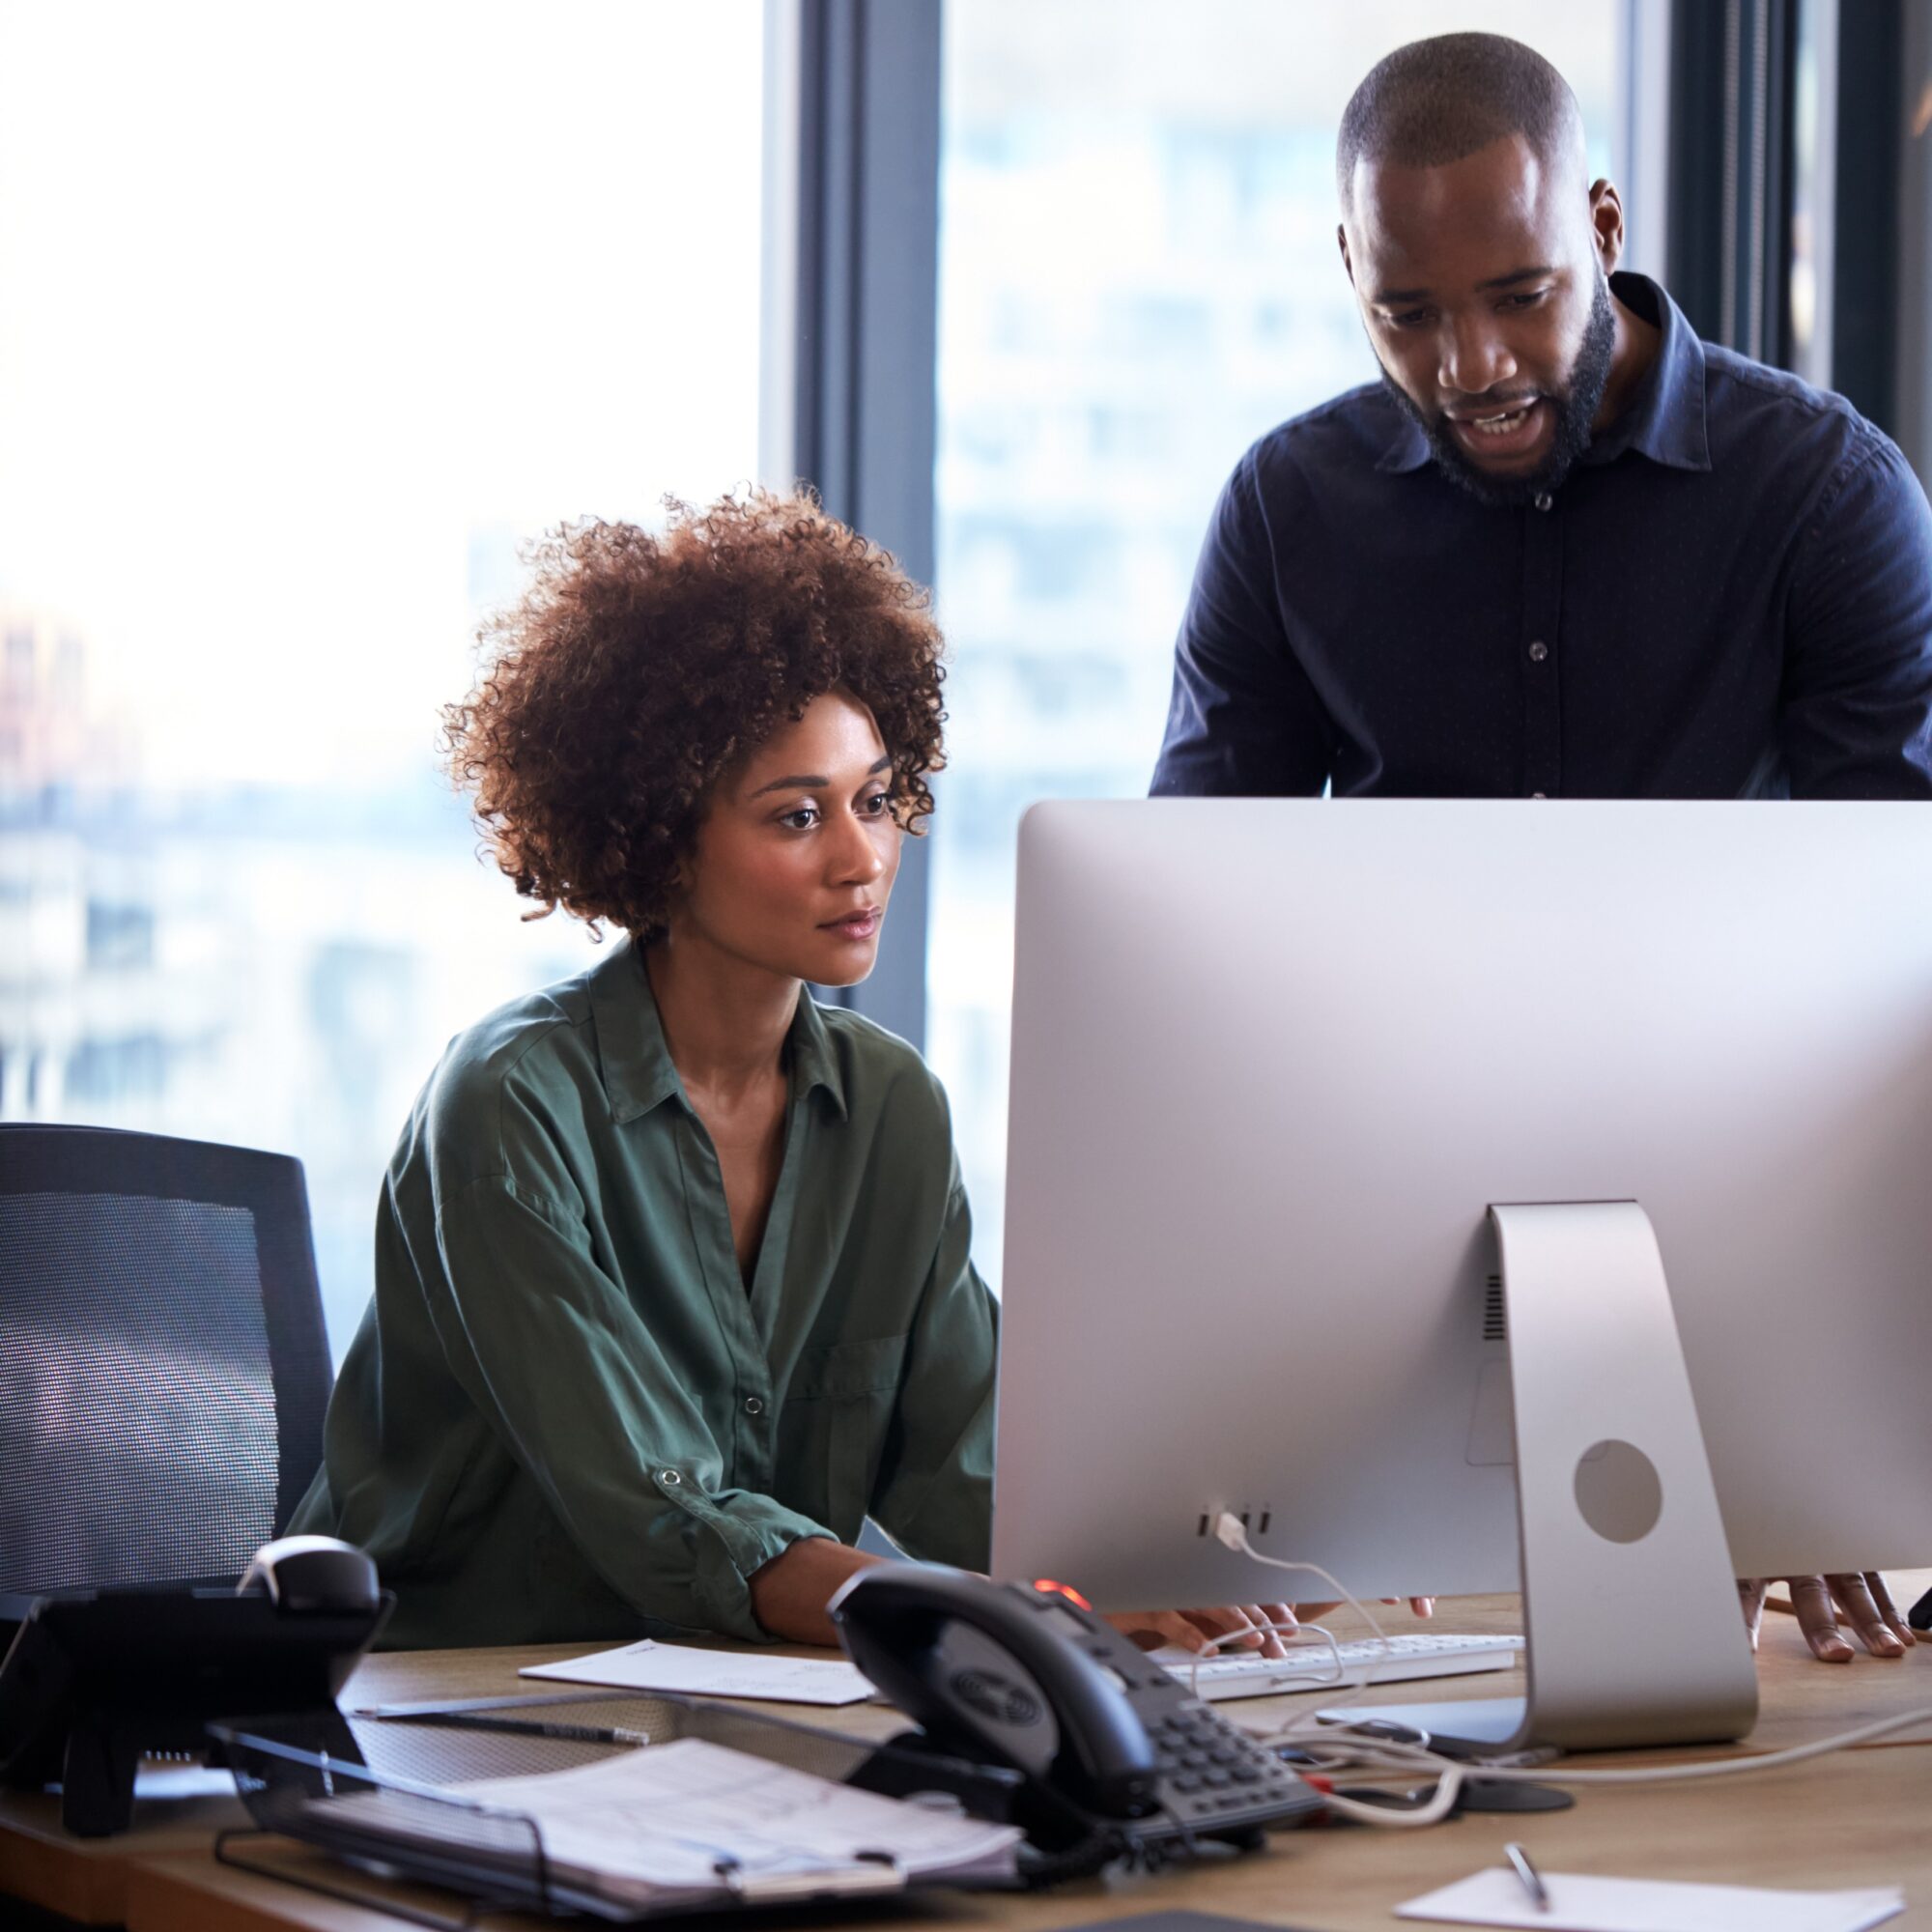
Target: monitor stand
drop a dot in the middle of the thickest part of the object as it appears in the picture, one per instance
(1631, 1613)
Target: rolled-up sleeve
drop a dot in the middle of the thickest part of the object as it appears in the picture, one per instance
(552, 1354)
(934, 1494)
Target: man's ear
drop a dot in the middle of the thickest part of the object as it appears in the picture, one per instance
(1607, 223)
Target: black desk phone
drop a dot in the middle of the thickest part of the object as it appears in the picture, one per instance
(1110, 1746)
(93, 1681)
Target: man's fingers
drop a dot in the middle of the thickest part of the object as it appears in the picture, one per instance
(1423, 1606)
(1811, 1602)
(1894, 1617)
(1853, 1596)
(1750, 1600)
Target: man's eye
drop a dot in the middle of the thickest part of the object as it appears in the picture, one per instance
(1411, 317)
(1526, 300)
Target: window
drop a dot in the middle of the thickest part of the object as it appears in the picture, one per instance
(326, 312)
(1138, 276)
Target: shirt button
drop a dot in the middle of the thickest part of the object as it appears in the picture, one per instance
(753, 1407)
(1539, 794)
(1538, 651)
(669, 1478)
(1545, 500)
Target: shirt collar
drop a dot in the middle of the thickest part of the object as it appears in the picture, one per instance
(1665, 417)
(639, 1072)
(1664, 420)
(1408, 448)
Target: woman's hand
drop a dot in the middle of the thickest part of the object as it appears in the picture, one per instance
(1258, 1629)
(789, 1593)
(1246, 1626)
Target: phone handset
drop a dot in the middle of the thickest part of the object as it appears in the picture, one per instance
(1032, 1677)
(1006, 1670)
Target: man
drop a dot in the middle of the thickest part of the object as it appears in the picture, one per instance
(1564, 547)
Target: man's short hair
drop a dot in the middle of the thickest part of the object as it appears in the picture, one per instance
(1436, 101)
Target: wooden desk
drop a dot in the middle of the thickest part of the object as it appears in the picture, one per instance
(1855, 1818)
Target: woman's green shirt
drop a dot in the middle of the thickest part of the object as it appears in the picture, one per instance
(565, 1416)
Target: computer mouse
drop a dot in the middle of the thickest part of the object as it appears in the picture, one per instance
(313, 1574)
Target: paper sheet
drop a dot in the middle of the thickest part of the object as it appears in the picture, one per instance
(713, 1674)
(662, 1818)
(1582, 1903)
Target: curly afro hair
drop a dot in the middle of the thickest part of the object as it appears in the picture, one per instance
(638, 667)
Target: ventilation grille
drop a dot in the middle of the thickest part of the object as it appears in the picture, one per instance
(1495, 1329)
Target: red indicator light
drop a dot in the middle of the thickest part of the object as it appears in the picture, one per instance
(1066, 1590)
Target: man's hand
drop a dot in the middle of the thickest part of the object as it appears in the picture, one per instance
(1819, 1602)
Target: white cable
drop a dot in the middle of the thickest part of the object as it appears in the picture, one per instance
(1199, 1656)
(1389, 1754)
(1442, 1802)
(1665, 1774)
(1233, 1534)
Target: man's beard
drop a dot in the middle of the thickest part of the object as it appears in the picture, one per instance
(1576, 410)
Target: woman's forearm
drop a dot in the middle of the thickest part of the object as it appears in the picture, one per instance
(789, 1594)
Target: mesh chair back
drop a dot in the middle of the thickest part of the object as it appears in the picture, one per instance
(163, 1367)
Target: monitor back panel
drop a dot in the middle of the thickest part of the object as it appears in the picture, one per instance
(1271, 1062)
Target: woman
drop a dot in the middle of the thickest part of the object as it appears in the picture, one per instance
(672, 1274)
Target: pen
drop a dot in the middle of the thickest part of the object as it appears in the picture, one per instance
(1531, 1879)
(522, 1727)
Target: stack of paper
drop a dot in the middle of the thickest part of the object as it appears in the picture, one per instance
(669, 1826)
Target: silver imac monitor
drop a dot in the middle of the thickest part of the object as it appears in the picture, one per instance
(1274, 1062)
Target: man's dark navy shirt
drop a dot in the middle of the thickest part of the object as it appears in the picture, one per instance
(1730, 596)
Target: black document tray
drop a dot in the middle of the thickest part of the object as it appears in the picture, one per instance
(495, 1858)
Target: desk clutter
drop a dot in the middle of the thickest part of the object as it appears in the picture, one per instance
(1041, 1746)
(777, 1815)
(1047, 1747)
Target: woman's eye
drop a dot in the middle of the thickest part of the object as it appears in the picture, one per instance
(878, 802)
(802, 819)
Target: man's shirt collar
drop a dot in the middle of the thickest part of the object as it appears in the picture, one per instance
(1408, 448)
(1665, 417)
(639, 1072)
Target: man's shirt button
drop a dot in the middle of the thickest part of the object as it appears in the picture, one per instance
(1539, 794)
(1545, 500)
(1538, 651)
(753, 1407)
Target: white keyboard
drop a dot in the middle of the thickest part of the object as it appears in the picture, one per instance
(1311, 1665)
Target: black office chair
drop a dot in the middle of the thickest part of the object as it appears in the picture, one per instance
(163, 1367)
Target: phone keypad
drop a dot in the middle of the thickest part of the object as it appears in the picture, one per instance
(1211, 1776)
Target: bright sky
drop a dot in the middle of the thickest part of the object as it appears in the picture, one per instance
(300, 301)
